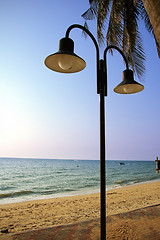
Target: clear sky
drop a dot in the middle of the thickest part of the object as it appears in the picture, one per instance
(44, 114)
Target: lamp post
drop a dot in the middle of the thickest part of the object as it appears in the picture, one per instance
(66, 61)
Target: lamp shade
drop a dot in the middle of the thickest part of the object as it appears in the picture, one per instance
(128, 85)
(65, 60)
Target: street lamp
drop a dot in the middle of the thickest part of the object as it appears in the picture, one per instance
(66, 61)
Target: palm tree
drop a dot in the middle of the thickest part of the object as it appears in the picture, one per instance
(121, 17)
(152, 8)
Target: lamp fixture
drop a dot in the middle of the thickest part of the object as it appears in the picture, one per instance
(128, 85)
(65, 60)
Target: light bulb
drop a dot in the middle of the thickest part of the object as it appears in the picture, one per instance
(65, 61)
(129, 88)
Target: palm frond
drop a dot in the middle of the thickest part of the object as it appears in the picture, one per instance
(137, 57)
(84, 34)
(145, 17)
(123, 32)
(102, 15)
(147, 22)
(91, 13)
(121, 17)
(114, 33)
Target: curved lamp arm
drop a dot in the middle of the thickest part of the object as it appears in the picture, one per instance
(122, 54)
(105, 64)
(87, 31)
(96, 45)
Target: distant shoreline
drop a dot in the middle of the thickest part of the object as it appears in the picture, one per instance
(75, 159)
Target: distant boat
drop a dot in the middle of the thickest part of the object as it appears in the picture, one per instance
(122, 163)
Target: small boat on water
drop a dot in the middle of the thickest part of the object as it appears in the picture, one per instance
(122, 163)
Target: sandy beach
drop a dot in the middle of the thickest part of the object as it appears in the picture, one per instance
(37, 214)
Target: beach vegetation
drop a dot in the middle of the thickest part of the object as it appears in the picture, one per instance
(118, 24)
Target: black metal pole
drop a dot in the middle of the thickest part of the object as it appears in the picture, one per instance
(102, 168)
(102, 80)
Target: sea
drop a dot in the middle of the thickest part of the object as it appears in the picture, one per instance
(32, 179)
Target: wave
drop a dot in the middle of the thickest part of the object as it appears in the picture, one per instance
(122, 181)
(69, 189)
(135, 180)
(15, 194)
(23, 193)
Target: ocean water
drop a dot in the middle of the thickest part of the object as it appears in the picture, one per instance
(29, 179)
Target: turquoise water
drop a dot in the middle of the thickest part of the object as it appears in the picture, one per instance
(28, 179)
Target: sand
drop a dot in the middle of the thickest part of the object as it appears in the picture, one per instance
(37, 214)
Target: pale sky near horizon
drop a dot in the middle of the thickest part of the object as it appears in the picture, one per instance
(45, 114)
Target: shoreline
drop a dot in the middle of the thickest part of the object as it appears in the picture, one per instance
(44, 213)
(78, 193)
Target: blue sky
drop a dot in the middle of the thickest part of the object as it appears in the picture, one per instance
(45, 114)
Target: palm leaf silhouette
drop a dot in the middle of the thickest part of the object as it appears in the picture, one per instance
(117, 24)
